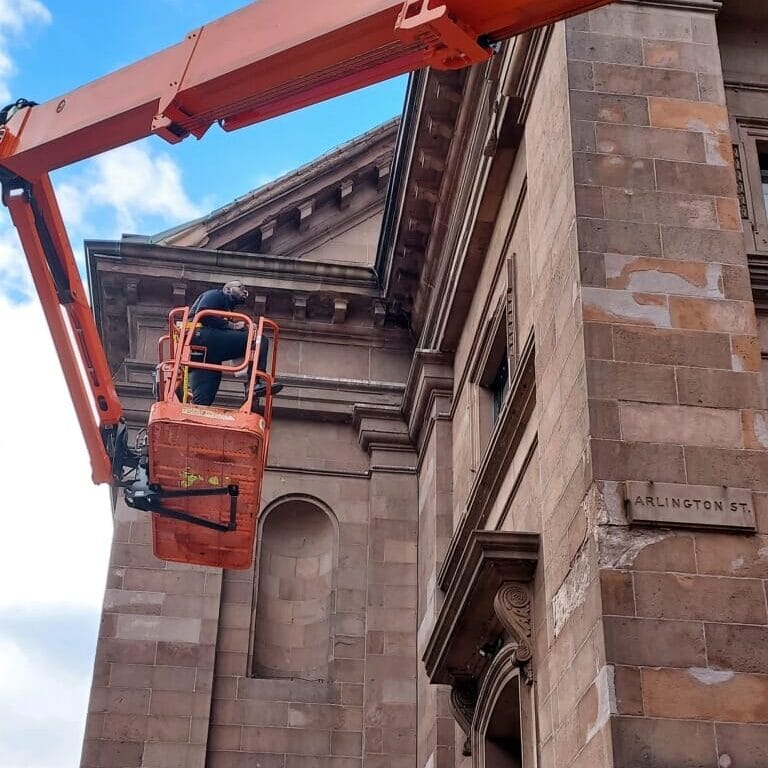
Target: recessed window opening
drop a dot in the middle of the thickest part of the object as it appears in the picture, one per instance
(499, 387)
(762, 154)
(503, 737)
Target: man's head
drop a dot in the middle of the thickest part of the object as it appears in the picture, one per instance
(236, 291)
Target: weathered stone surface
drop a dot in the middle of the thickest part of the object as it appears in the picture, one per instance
(591, 230)
(645, 422)
(657, 743)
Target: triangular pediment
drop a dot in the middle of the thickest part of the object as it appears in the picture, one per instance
(330, 208)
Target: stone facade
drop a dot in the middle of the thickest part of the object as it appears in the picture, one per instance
(516, 507)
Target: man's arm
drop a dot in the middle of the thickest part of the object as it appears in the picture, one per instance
(215, 300)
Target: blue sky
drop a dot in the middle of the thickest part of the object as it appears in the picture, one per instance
(55, 545)
(106, 36)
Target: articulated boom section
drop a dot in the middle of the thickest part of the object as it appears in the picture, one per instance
(267, 59)
(36, 215)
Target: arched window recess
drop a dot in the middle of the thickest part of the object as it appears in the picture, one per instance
(294, 613)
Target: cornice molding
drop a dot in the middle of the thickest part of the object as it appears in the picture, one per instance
(358, 386)
(340, 302)
(316, 273)
(709, 6)
(486, 615)
(309, 398)
(430, 377)
(487, 157)
(427, 133)
(319, 330)
(380, 426)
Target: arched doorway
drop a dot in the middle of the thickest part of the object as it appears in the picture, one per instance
(503, 733)
(503, 736)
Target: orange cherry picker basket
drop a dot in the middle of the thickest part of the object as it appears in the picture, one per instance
(206, 463)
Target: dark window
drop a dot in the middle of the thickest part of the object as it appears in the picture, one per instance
(763, 156)
(752, 180)
(503, 738)
(499, 387)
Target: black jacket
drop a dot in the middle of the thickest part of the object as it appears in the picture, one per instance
(213, 299)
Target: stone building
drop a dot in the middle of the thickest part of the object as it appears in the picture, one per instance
(516, 507)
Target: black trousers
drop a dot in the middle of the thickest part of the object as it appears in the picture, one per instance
(220, 344)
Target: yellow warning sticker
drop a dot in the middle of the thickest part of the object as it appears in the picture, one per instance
(189, 478)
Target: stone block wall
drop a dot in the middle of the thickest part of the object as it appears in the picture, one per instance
(435, 723)
(154, 670)
(196, 667)
(647, 638)
(675, 393)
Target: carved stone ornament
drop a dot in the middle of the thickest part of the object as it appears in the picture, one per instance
(463, 702)
(131, 290)
(512, 605)
(740, 184)
(511, 309)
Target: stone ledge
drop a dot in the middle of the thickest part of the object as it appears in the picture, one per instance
(431, 376)
(711, 6)
(469, 619)
(380, 426)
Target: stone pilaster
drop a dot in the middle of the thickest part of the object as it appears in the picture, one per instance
(673, 382)
(428, 404)
(389, 697)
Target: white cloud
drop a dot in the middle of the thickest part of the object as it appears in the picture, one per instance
(14, 274)
(128, 190)
(130, 184)
(16, 14)
(73, 202)
(15, 17)
(57, 525)
(43, 725)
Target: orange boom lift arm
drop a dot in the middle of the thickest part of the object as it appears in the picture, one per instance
(267, 59)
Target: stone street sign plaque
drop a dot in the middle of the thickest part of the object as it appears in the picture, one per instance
(701, 506)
